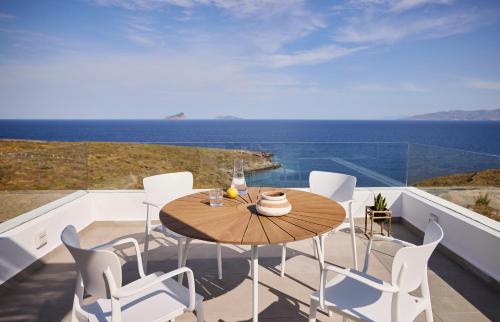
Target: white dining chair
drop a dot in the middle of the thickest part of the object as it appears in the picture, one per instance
(338, 187)
(359, 296)
(154, 297)
(160, 190)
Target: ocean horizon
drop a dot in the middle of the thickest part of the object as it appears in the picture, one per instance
(475, 136)
(376, 152)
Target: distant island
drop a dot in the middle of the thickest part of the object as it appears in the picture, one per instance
(177, 117)
(459, 115)
(182, 117)
(228, 117)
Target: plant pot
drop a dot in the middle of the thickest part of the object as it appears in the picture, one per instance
(379, 216)
(379, 213)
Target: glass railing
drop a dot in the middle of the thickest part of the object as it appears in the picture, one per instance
(35, 173)
(471, 180)
(289, 164)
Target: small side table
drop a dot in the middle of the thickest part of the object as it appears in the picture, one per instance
(374, 215)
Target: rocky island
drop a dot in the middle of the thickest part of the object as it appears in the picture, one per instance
(177, 117)
(228, 118)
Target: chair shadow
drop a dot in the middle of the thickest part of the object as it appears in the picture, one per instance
(473, 289)
(163, 257)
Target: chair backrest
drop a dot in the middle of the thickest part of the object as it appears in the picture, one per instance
(91, 264)
(414, 259)
(336, 186)
(164, 188)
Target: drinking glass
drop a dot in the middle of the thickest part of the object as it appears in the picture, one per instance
(215, 197)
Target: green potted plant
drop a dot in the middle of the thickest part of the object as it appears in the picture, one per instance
(379, 206)
(378, 213)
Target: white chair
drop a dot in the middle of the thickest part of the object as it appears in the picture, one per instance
(155, 297)
(358, 296)
(160, 190)
(338, 187)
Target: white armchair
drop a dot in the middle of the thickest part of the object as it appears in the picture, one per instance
(154, 297)
(338, 187)
(161, 189)
(358, 296)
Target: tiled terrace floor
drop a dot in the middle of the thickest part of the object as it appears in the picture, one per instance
(46, 295)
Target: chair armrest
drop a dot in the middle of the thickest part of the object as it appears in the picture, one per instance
(381, 238)
(123, 242)
(364, 280)
(120, 293)
(150, 203)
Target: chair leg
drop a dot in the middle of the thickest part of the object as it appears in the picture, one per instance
(283, 259)
(180, 249)
(146, 252)
(219, 260)
(353, 237)
(354, 251)
(315, 252)
(427, 295)
(185, 253)
(428, 314)
(74, 316)
(199, 312)
(313, 310)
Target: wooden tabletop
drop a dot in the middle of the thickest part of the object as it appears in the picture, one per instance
(237, 221)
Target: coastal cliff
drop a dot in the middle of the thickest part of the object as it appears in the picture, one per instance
(459, 115)
(33, 173)
(42, 165)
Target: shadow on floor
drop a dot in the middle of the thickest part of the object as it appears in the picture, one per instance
(472, 288)
(46, 294)
(275, 311)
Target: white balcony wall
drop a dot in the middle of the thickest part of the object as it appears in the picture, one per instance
(473, 237)
(364, 197)
(17, 245)
(119, 205)
(126, 205)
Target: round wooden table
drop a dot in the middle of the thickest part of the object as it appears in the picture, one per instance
(237, 222)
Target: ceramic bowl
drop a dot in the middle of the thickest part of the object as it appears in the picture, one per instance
(273, 203)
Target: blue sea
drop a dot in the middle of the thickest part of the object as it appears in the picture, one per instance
(376, 152)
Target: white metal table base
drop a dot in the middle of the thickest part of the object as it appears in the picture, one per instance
(319, 243)
(255, 283)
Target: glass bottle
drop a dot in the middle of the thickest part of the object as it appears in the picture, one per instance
(239, 177)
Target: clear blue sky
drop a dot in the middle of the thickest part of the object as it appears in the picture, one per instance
(358, 59)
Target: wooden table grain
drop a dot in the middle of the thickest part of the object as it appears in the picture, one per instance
(237, 222)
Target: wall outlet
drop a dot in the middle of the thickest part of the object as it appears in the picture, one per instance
(40, 239)
(433, 217)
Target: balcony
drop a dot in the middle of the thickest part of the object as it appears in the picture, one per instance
(37, 282)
